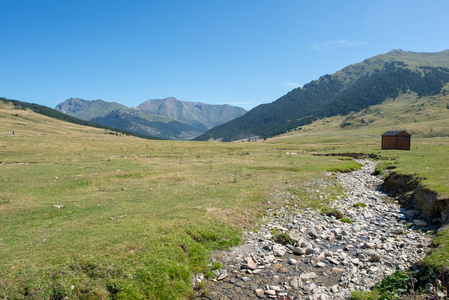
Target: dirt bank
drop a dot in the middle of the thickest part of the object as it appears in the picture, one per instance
(412, 194)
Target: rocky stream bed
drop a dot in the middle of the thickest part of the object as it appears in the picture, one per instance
(327, 257)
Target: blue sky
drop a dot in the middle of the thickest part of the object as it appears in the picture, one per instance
(238, 52)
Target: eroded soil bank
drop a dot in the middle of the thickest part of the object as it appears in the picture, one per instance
(411, 194)
(325, 257)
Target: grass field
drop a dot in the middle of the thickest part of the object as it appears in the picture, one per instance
(426, 118)
(88, 214)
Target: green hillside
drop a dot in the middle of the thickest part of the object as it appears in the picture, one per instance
(142, 122)
(131, 119)
(423, 117)
(87, 110)
(352, 89)
(165, 118)
(56, 115)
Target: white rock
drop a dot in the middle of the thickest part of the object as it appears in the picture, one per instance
(306, 276)
(420, 223)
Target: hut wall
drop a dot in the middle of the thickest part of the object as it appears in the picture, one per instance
(389, 142)
(403, 142)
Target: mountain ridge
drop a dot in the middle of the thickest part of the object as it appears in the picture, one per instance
(57, 115)
(169, 119)
(76, 107)
(353, 88)
(198, 114)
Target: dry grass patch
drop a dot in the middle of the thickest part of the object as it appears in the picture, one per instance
(119, 216)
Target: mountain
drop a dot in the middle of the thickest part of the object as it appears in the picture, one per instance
(165, 118)
(87, 110)
(120, 116)
(203, 116)
(142, 122)
(59, 116)
(349, 90)
(422, 117)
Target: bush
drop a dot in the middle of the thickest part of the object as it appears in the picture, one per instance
(334, 213)
(281, 238)
(394, 285)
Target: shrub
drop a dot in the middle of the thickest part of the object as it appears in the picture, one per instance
(394, 285)
(334, 213)
(281, 238)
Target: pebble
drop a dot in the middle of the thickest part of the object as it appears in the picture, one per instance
(329, 258)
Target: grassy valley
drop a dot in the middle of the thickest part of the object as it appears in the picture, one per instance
(92, 215)
(426, 118)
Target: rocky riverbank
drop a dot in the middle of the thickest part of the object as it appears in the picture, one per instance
(309, 255)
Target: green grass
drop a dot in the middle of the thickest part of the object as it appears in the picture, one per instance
(426, 118)
(429, 160)
(346, 220)
(139, 217)
(94, 216)
(280, 238)
(437, 259)
(400, 285)
(364, 295)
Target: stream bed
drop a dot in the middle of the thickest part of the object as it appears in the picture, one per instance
(326, 257)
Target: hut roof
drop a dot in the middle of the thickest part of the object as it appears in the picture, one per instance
(394, 133)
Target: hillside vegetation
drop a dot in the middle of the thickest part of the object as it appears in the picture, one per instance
(425, 118)
(131, 119)
(91, 215)
(86, 214)
(350, 90)
(55, 115)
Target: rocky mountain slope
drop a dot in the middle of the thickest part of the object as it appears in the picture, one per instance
(351, 90)
(87, 110)
(142, 122)
(165, 118)
(200, 115)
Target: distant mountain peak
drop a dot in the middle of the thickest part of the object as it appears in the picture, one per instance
(204, 116)
(167, 118)
(396, 51)
(349, 90)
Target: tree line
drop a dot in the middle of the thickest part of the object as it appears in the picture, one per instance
(52, 113)
(328, 96)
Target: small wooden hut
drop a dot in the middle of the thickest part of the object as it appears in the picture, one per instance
(399, 140)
